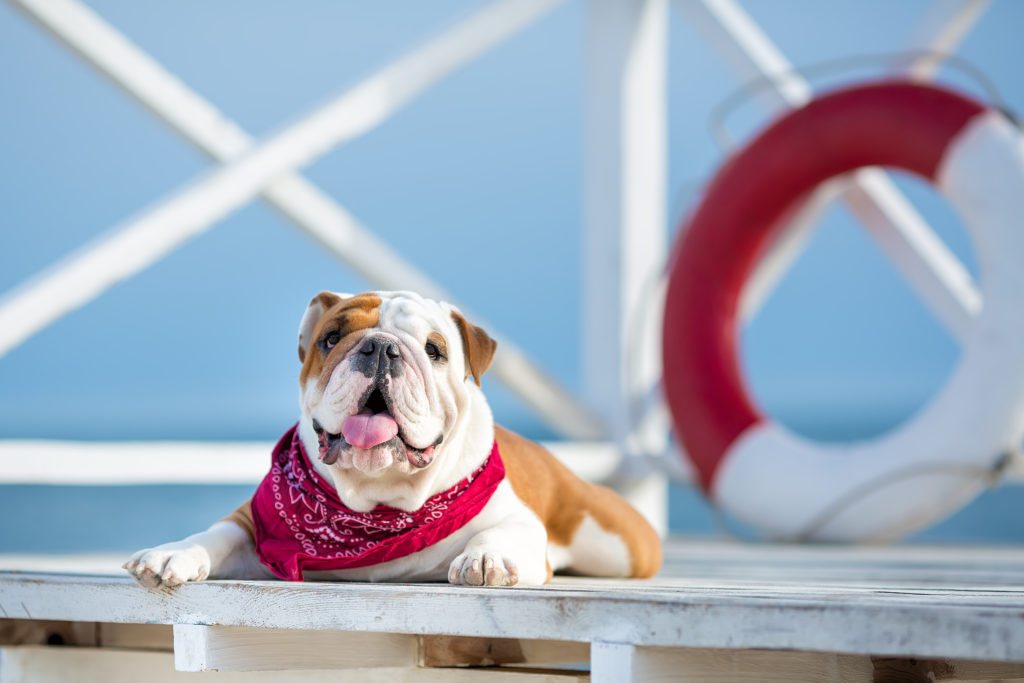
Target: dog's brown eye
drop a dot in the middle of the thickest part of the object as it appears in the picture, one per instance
(433, 353)
(331, 340)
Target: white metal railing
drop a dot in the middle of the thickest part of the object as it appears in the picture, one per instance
(26, 461)
(625, 240)
(249, 170)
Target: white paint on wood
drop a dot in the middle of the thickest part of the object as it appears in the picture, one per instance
(624, 244)
(234, 648)
(985, 622)
(96, 665)
(625, 240)
(617, 663)
(933, 602)
(929, 266)
(611, 662)
(72, 563)
(84, 463)
(215, 462)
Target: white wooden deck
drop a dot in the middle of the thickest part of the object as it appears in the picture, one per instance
(718, 611)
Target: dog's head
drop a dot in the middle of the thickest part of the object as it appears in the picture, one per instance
(385, 376)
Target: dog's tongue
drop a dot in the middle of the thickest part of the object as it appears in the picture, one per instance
(367, 430)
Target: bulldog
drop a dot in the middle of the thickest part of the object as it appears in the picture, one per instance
(397, 472)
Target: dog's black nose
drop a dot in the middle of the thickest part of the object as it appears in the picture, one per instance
(376, 345)
(378, 356)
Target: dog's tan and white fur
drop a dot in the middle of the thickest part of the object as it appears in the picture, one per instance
(541, 518)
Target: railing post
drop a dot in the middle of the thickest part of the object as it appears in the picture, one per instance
(624, 240)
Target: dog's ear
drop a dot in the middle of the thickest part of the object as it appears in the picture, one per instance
(478, 345)
(317, 305)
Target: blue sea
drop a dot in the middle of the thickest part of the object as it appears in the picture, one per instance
(54, 519)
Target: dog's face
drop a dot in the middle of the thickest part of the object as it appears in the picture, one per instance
(384, 377)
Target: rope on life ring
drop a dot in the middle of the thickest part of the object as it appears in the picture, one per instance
(751, 466)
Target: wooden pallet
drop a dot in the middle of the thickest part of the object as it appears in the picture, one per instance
(717, 612)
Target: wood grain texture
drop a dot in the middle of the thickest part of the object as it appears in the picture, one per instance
(33, 664)
(903, 602)
(902, 670)
(983, 623)
(618, 663)
(238, 648)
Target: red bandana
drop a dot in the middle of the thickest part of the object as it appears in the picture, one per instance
(300, 522)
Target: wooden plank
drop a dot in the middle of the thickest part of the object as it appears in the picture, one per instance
(234, 648)
(41, 461)
(619, 663)
(72, 563)
(982, 624)
(898, 565)
(33, 664)
(625, 240)
(25, 461)
(612, 662)
(901, 670)
(927, 602)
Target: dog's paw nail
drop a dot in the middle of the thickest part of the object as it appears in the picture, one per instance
(171, 579)
(168, 566)
(482, 568)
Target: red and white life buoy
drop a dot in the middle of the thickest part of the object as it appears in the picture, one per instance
(753, 467)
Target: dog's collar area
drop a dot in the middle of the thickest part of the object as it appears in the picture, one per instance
(301, 523)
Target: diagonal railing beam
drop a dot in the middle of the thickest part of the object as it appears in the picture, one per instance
(927, 263)
(306, 205)
(946, 24)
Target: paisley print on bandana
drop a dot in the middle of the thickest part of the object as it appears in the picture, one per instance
(301, 524)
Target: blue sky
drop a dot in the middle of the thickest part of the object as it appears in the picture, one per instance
(479, 183)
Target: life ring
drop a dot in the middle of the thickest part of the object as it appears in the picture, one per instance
(777, 481)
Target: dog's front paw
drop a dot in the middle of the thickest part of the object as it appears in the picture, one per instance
(482, 567)
(171, 564)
